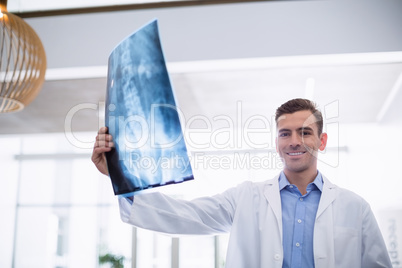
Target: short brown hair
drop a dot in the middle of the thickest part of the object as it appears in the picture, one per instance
(297, 105)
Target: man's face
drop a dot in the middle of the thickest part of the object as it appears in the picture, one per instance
(298, 141)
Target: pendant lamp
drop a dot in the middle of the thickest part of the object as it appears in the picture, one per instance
(22, 62)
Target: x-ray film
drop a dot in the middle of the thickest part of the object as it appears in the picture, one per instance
(142, 117)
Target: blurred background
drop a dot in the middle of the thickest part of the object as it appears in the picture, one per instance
(231, 64)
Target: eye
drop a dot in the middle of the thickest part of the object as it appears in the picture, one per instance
(283, 134)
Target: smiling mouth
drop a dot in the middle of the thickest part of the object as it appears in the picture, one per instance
(295, 153)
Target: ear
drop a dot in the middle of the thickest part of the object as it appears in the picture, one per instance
(323, 139)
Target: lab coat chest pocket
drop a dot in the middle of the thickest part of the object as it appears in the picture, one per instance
(347, 246)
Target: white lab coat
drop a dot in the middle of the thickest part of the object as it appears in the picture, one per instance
(346, 234)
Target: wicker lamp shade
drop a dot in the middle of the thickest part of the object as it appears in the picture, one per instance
(22, 62)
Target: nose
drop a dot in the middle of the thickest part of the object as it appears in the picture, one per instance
(296, 140)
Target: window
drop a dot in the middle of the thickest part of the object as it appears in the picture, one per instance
(59, 211)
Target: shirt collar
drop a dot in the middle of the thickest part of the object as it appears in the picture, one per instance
(283, 181)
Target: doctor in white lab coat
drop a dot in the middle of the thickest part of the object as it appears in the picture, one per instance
(346, 234)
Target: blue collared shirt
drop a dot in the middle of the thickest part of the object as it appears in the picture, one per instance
(298, 218)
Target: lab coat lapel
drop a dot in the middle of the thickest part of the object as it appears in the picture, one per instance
(327, 197)
(324, 228)
(274, 199)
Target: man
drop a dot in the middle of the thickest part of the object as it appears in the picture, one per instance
(297, 219)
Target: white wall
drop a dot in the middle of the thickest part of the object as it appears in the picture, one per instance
(259, 29)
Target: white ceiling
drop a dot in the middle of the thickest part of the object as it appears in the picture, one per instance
(360, 89)
(40, 5)
(367, 88)
(218, 64)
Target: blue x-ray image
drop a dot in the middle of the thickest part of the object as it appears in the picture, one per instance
(142, 117)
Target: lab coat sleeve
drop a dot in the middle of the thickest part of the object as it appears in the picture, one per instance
(162, 213)
(374, 251)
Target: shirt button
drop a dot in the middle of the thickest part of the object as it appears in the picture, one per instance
(299, 220)
(277, 257)
(301, 198)
(297, 244)
(291, 186)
